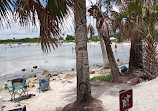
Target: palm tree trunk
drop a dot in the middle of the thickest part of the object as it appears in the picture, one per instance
(114, 68)
(104, 52)
(135, 61)
(82, 65)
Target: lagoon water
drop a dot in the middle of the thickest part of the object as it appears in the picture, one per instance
(13, 60)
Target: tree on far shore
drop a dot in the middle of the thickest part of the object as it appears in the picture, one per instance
(69, 37)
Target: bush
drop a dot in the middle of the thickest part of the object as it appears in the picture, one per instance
(101, 78)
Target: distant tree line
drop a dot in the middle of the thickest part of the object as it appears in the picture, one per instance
(24, 40)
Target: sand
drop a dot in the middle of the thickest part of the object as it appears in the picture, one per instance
(64, 91)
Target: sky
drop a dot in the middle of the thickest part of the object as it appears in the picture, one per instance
(18, 32)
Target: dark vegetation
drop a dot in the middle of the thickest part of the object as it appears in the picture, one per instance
(25, 40)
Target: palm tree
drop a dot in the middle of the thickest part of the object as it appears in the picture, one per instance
(104, 29)
(82, 65)
(84, 97)
(132, 28)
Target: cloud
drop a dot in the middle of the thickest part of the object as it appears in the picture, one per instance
(16, 31)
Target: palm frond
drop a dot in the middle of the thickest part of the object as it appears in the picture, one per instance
(150, 58)
(50, 16)
(5, 11)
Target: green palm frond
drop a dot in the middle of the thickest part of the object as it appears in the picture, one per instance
(50, 16)
(5, 11)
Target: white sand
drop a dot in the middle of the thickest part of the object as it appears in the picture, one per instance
(62, 93)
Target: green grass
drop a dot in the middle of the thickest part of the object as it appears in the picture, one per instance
(101, 78)
(69, 41)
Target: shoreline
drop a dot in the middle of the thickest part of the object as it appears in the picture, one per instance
(69, 43)
(31, 75)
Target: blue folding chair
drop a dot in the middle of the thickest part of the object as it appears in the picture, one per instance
(44, 84)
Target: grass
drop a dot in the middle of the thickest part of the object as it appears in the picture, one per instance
(69, 41)
(101, 78)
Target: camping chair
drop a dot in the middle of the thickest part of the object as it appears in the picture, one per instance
(18, 88)
(44, 84)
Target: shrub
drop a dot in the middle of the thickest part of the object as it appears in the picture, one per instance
(101, 78)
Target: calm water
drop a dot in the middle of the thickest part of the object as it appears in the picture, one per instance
(13, 60)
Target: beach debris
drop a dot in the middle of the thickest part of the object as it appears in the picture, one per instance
(45, 72)
(35, 67)
(69, 81)
(118, 60)
(32, 70)
(133, 81)
(54, 79)
(92, 72)
(69, 76)
(32, 75)
(51, 74)
(23, 70)
(64, 80)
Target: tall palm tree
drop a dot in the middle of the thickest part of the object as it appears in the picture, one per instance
(104, 29)
(82, 65)
(84, 97)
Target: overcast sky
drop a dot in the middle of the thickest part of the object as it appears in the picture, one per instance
(22, 32)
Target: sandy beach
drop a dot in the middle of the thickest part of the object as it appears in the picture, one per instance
(63, 91)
